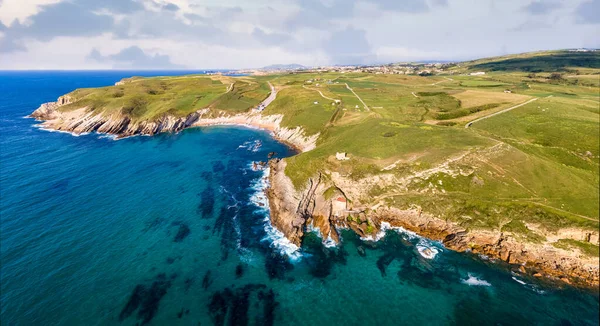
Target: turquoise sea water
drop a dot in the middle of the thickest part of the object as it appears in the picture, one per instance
(168, 230)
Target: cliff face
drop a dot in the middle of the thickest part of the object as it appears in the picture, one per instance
(84, 121)
(294, 211)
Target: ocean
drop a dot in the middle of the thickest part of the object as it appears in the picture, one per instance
(173, 230)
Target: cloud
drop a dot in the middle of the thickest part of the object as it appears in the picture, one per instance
(270, 38)
(587, 12)
(8, 45)
(114, 6)
(316, 14)
(539, 7)
(410, 6)
(531, 25)
(207, 34)
(349, 46)
(440, 3)
(70, 18)
(63, 19)
(171, 7)
(134, 57)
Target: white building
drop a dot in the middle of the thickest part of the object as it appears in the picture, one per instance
(341, 156)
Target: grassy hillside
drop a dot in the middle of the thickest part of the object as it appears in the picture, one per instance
(546, 61)
(535, 164)
(149, 98)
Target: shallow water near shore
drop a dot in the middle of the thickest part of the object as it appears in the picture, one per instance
(171, 230)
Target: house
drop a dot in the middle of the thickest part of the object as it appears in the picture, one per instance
(478, 73)
(341, 156)
(507, 91)
(316, 102)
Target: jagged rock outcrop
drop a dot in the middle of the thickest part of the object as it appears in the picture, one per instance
(292, 211)
(82, 120)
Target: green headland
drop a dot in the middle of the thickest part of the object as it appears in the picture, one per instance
(509, 144)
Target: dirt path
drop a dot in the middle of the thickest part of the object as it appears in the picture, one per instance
(322, 95)
(442, 81)
(562, 210)
(499, 112)
(358, 97)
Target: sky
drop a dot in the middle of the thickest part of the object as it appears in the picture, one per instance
(237, 34)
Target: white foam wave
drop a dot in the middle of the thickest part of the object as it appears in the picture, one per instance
(276, 238)
(519, 281)
(41, 127)
(387, 226)
(327, 242)
(531, 287)
(252, 146)
(279, 242)
(474, 281)
(108, 136)
(427, 249)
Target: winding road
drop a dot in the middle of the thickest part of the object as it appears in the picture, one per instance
(271, 96)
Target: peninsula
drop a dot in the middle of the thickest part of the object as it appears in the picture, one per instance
(499, 156)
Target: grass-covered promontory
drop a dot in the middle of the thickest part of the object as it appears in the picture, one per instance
(150, 98)
(529, 160)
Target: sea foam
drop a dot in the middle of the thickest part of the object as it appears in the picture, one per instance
(42, 127)
(474, 281)
(426, 248)
(276, 238)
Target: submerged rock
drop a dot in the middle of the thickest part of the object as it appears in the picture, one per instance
(145, 299)
(239, 306)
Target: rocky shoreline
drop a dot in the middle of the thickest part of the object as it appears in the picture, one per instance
(293, 211)
(82, 120)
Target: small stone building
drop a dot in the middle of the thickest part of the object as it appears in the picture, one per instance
(341, 156)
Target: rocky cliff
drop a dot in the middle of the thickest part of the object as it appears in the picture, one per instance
(83, 120)
(316, 206)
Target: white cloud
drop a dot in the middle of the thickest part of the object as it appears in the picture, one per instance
(20, 9)
(240, 34)
(392, 53)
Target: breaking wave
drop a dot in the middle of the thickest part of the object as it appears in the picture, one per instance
(274, 237)
(426, 248)
(252, 146)
(474, 281)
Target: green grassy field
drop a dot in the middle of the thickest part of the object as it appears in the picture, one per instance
(537, 164)
(150, 98)
(546, 172)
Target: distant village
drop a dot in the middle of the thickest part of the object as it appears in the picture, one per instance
(422, 69)
(408, 68)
